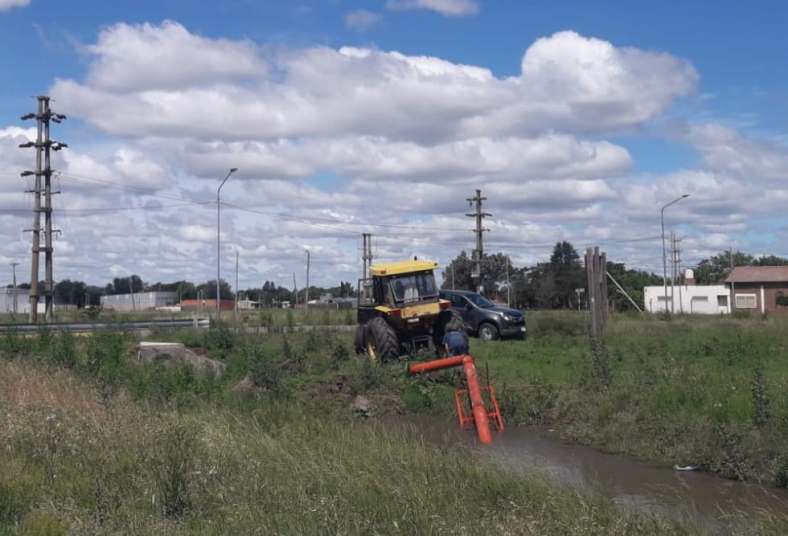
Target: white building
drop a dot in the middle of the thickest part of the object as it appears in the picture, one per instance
(19, 304)
(688, 298)
(139, 301)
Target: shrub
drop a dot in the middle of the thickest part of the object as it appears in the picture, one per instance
(173, 466)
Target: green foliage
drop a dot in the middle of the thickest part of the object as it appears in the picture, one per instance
(105, 357)
(42, 524)
(416, 398)
(340, 353)
(760, 397)
(219, 338)
(173, 465)
(18, 489)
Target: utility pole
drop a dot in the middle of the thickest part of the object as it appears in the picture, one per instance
(677, 249)
(478, 253)
(733, 285)
(236, 283)
(508, 286)
(219, 243)
(131, 289)
(366, 255)
(13, 269)
(664, 254)
(452, 276)
(306, 290)
(43, 145)
(295, 291)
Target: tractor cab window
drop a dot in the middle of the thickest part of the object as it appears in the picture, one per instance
(413, 287)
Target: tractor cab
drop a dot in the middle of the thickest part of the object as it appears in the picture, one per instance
(399, 310)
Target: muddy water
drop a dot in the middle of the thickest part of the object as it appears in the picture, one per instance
(704, 499)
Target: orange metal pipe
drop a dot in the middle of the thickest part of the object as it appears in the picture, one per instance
(477, 402)
(478, 408)
(437, 364)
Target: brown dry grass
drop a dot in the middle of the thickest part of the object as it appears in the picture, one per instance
(25, 387)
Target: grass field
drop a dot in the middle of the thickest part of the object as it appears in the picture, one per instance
(182, 453)
(93, 445)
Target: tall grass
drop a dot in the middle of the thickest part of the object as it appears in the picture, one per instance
(128, 468)
(706, 390)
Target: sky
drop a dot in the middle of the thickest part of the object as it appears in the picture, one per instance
(578, 122)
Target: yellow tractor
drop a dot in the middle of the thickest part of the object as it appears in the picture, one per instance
(399, 311)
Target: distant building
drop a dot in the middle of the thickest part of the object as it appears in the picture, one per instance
(688, 298)
(139, 301)
(8, 297)
(247, 305)
(761, 289)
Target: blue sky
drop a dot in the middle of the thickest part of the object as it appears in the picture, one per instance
(721, 126)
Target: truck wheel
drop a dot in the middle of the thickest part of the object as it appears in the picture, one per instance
(360, 339)
(381, 340)
(488, 331)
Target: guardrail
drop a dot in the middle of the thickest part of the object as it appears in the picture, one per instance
(96, 326)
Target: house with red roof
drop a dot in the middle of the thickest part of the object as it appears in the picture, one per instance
(759, 289)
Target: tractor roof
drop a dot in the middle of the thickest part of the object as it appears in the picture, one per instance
(402, 267)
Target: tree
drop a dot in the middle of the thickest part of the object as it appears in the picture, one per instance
(494, 268)
(120, 285)
(207, 290)
(715, 269)
(633, 282)
(70, 292)
(567, 274)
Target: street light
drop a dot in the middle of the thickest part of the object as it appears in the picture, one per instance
(664, 252)
(219, 242)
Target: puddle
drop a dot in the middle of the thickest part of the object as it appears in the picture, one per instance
(712, 502)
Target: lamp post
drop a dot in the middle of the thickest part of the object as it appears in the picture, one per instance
(664, 252)
(219, 242)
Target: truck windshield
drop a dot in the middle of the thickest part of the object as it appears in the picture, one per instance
(480, 301)
(413, 287)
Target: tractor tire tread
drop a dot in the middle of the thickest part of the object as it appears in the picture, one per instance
(384, 337)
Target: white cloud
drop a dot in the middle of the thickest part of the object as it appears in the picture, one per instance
(568, 83)
(10, 4)
(726, 150)
(448, 8)
(147, 58)
(367, 138)
(362, 19)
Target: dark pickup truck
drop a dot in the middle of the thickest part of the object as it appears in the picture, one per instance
(483, 317)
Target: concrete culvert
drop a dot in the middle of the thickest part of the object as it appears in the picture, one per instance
(175, 353)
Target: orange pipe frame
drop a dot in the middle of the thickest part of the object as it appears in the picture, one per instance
(477, 402)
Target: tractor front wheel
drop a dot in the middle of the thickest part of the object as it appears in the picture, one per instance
(381, 339)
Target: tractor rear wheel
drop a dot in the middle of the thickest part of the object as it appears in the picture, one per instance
(381, 339)
(360, 339)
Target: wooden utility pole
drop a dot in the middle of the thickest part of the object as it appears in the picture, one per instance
(43, 145)
(479, 230)
(131, 290)
(596, 270)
